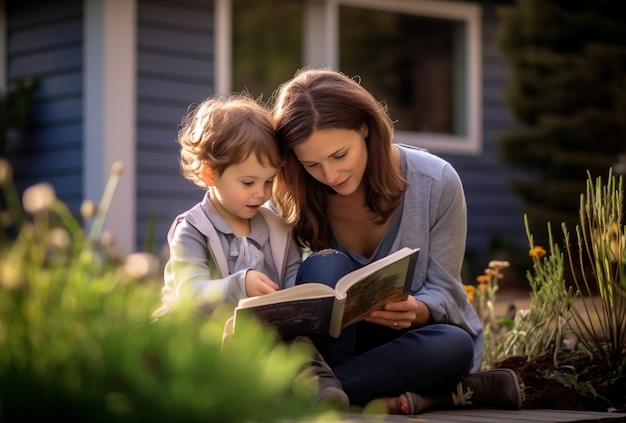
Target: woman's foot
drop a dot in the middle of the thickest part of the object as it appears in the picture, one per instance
(409, 404)
(397, 405)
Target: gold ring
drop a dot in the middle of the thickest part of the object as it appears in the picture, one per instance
(395, 323)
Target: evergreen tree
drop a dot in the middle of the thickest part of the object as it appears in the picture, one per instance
(567, 60)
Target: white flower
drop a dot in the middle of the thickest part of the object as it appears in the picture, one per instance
(142, 266)
(59, 238)
(88, 209)
(117, 168)
(38, 198)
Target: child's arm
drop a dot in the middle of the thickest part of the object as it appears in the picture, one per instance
(191, 273)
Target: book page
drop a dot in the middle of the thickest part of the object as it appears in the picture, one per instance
(351, 278)
(386, 284)
(307, 290)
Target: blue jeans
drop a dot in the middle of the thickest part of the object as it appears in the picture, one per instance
(374, 361)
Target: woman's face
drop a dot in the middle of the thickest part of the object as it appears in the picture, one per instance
(335, 157)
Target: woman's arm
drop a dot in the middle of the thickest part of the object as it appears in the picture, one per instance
(442, 291)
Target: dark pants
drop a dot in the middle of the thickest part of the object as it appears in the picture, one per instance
(374, 361)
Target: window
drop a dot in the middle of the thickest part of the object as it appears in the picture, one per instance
(266, 44)
(422, 58)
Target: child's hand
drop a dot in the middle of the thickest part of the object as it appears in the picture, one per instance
(258, 283)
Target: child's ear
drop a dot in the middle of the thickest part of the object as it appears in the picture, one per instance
(207, 175)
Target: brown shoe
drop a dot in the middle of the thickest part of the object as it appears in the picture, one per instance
(329, 388)
(495, 388)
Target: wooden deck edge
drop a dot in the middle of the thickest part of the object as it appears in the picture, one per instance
(530, 415)
(491, 416)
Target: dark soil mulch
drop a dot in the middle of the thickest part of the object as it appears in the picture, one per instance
(541, 389)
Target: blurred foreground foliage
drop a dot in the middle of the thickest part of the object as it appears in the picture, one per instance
(76, 340)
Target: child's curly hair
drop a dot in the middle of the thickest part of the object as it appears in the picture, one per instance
(224, 131)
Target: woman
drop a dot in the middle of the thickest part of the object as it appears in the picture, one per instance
(346, 186)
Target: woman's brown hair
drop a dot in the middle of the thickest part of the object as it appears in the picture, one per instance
(318, 99)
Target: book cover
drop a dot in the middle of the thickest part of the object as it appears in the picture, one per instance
(314, 307)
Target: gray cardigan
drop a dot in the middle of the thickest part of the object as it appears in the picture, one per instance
(197, 268)
(434, 218)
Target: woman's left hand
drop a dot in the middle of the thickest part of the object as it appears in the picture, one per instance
(401, 314)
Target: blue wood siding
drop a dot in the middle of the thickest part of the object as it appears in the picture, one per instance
(175, 56)
(44, 40)
(492, 208)
(175, 60)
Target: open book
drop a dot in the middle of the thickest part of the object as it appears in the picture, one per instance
(315, 307)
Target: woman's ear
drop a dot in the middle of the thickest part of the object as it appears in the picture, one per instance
(207, 175)
(365, 131)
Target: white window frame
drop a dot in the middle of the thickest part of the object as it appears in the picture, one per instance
(3, 48)
(321, 49)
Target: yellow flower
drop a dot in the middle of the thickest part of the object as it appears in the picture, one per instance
(11, 274)
(482, 279)
(6, 172)
(470, 289)
(537, 252)
(614, 240)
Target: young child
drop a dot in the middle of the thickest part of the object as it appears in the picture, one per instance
(228, 246)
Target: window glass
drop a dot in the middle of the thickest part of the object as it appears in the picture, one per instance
(267, 44)
(422, 59)
(409, 63)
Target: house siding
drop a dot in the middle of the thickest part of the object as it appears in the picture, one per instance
(176, 62)
(175, 42)
(493, 211)
(44, 40)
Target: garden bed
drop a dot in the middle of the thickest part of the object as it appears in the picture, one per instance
(542, 390)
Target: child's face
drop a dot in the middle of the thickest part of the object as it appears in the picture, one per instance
(242, 189)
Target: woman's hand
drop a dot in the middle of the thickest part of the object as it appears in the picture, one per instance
(257, 283)
(401, 314)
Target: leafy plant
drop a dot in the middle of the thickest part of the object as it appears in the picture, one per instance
(532, 331)
(542, 326)
(483, 298)
(76, 341)
(601, 249)
(591, 307)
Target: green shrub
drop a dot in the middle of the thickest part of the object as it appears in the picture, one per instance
(583, 309)
(76, 341)
(599, 256)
